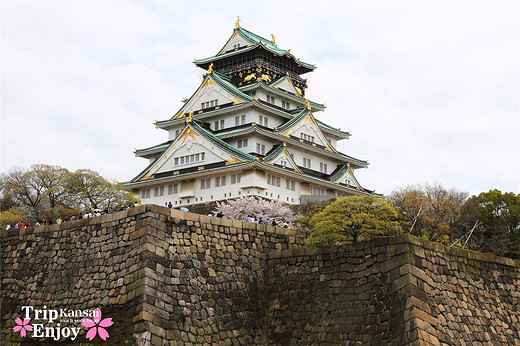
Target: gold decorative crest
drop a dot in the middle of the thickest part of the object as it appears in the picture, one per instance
(264, 77)
(249, 77)
(210, 68)
(207, 83)
(233, 160)
(237, 23)
(188, 133)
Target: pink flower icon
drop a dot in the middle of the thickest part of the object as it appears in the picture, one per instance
(22, 326)
(91, 334)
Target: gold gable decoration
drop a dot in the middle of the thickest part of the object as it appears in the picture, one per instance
(264, 77)
(249, 77)
(210, 68)
(237, 23)
(188, 133)
(148, 176)
(207, 83)
(233, 160)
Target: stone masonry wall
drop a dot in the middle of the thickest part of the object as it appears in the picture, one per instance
(168, 277)
(395, 291)
(161, 274)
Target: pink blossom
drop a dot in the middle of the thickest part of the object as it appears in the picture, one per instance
(94, 330)
(22, 326)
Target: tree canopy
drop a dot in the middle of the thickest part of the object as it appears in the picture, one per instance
(47, 191)
(352, 219)
(430, 211)
(497, 219)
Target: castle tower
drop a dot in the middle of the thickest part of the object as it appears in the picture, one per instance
(248, 130)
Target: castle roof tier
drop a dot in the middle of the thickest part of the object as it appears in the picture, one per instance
(247, 57)
(248, 129)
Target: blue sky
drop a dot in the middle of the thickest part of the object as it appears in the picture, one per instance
(428, 89)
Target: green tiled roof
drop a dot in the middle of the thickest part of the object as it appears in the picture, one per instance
(339, 173)
(270, 87)
(321, 123)
(225, 82)
(220, 143)
(158, 146)
(274, 153)
(255, 41)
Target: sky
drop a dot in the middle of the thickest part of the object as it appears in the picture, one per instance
(428, 89)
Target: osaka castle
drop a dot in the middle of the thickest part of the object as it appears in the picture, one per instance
(248, 130)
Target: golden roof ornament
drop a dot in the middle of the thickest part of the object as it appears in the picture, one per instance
(307, 104)
(190, 117)
(272, 38)
(210, 69)
(237, 24)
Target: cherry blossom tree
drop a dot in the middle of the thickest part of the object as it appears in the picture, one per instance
(258, 208)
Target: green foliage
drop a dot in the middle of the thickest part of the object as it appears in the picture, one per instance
(46, 191)
(307, 212)
(498, 228)
(11, 216)
(352, 219)
(428, 211)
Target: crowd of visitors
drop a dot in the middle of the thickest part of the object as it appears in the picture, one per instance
(62, 219)
(251, 218)
(98, 212)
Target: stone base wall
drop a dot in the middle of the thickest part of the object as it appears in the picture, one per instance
(168, 277)
(397, 291)
(160, 273)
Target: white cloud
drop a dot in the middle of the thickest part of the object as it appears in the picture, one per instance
(429, 90)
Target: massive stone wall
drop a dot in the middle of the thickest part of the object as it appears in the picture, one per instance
(161, 274)
(167, 277)
(395, 290)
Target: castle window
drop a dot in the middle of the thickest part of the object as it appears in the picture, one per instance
(323, 167)
(158, 191)
(173, 189)
(285, 104)
(260, 148)
(317, 191)
(219, 124)
(177, 133)
(242, 143)
(307, 137)
(236, 46)
(272, 180)
(270, 99)
(289, 184)
(209, 104)
(145, 193)
(220, 181)
(263, 120)
(306, 163)
(189, 158)
(235, 178)
(205, 184)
